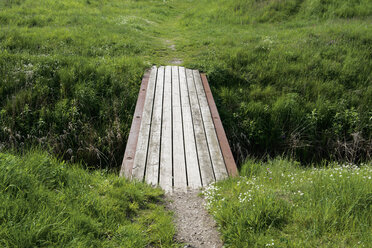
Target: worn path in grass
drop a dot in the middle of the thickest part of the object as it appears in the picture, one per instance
(195, 227)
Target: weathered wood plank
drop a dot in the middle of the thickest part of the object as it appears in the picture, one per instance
(179, 165)
(166, 170)
(130, 150)
(143, 137)
(177, 139)
(205, 165)
(152, 165)
(224, 144)
(192, 164)
(218, 163)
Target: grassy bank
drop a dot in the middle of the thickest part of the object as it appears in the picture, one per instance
(281, 204)
(70, 72)
(48, 203)
(289, 77)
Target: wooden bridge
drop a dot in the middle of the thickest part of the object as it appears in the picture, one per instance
(177, 140)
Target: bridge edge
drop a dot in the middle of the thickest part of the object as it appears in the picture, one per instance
(130, 150)
(224, 143)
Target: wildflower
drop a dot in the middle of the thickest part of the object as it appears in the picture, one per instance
(270, 244)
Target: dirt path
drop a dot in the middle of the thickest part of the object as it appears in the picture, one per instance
(172, 47)
(195, 227)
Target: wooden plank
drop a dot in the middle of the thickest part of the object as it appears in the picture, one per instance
(130, 150)
(218, 163)
(139, 163)
(192, 164)
(205, 163)
(166, 170)
(177, 138)
(179, 164)
(224, 144)
(152, 165)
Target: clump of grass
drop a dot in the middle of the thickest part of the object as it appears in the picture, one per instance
(279, 203)
(47, 203)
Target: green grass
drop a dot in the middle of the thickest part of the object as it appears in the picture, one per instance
(299, 85)
(70, 72)
(48, 203)
(281, 204)
(272, 11)
(289, 77)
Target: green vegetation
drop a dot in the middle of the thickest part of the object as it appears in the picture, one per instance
(70, 72)
(47, 203)
(290, 77)
(272, 11)
(281, 204)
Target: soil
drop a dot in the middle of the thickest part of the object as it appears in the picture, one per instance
(176, 61)
(195, 227)
(172, 47)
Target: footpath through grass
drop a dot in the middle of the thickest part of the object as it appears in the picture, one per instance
(281, 204)
(289, 77)
(47, 203)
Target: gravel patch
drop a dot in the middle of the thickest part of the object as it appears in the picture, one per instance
(195, 227)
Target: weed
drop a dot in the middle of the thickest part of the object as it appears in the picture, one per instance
(279, 203)
(46, 202)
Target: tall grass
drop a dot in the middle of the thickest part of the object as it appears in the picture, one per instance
(281, 204)
(70, 72)
(289, 77)
(298, 83)
(256, 11)
(47, 203)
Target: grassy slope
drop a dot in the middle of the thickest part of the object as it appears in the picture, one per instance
(281, 204)
(70, 72)
(47, 203)
(289, 77)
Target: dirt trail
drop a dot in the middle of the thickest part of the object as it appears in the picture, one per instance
(172, 47)
(195, 227)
